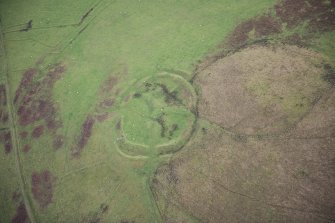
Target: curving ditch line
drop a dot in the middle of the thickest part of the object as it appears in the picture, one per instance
(14, 138)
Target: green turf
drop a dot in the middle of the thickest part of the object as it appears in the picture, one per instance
(133, 41)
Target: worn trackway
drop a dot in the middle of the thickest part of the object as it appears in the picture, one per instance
(13, 131)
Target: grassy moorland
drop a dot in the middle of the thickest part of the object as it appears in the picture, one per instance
(101, 98)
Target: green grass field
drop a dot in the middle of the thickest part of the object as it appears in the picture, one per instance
(117, 81)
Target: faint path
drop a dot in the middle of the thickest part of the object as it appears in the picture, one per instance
(13, 131)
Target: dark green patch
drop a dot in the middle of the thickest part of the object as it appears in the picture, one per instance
(174, 128)
(137, 95)
(160, 120)
(329, 76)
(170, 97)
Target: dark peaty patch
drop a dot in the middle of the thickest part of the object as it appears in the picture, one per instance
(42, 187)
(86, 131)
(38, 131)
(58, 141)
(21, 215)
(3, 105)
(6, 140)
(26, 148)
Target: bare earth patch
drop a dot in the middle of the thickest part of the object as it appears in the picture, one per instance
(261, 89)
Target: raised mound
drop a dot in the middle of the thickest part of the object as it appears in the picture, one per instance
(262, 89)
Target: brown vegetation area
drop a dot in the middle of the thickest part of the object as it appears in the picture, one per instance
(102, 117)
(109, 84)
(269, 153)
(97, 216)
(261, 90)
(6, 140)
(26, 148)
(106, 100)
(36, 104)
(42, 187)
(16, 196)
(261, 26)
(33, 100)
(219, 177)
(58, 141)
(86, 131)
(319, 15)
(23, 134)
(3, 105)
(38, 131)
(25, 83)
(21, 215)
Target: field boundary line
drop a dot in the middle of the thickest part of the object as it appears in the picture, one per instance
(13, 131)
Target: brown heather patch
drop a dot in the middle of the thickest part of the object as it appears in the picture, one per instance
(33, 100)
(102, 117)
(319, 15)
(258, 27)
(104, 208)
(118, 125)
(26, 148)
(21, 215)
(86, 131)
(26, 82)
(42, 187)
(34, 97)
(38, 131)
(3, 105)
(16, 196)
(4, 116)
(233, 173)
(96, 217)
(58, 141)
(107, 103)
(261, 90)
(218, 177)
(106, 94)
(23, 134)
(127, 221)
(5, 139)
(109, 85)
(3, 98)
(297, 40)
